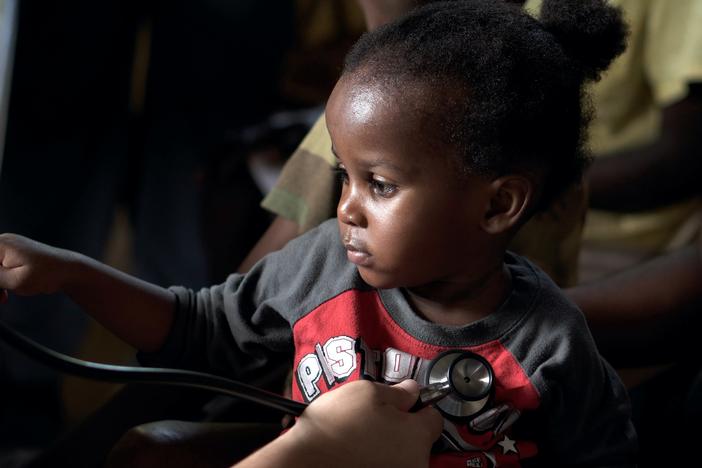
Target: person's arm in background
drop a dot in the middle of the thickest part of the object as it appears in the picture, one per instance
(304, 195)
(279, 233)
(644, 315)
(661, 173)
(138, 312)
(379, 12)
(360, 424)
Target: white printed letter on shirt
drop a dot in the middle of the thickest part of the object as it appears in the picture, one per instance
(341, 355)
(308, 374)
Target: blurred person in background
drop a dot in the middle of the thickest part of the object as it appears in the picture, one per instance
(642, 186)
(641, 266)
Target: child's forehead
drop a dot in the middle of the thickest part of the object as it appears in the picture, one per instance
(392, 85)
(370, 117)
(367, 98)
(362, 100)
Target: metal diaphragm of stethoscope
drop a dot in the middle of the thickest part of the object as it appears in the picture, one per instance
(458, 383)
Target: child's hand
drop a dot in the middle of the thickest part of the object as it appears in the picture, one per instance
(364, 424)
(28, 267)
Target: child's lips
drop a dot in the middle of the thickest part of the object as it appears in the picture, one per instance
(356, 253)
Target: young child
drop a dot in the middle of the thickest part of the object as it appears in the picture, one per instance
(451, 126)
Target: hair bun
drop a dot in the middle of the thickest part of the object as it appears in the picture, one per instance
(592, 32)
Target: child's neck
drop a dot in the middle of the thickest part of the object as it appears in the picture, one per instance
(461, 303)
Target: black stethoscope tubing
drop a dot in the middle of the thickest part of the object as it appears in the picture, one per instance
(150, 375)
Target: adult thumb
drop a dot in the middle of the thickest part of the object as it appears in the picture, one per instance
(433, 421)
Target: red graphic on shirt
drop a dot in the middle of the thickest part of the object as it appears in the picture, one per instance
(352, 336)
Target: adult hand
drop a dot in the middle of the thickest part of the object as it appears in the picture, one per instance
(360, 424)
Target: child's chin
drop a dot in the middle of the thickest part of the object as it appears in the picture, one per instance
(378, 280)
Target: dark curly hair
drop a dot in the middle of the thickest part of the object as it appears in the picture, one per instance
(511, 85)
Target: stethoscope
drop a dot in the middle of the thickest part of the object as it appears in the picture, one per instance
(458, 383)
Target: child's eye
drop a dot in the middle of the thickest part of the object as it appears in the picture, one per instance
(382, 188)
(340, 173)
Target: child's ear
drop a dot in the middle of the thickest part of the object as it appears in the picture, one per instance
(511, 197)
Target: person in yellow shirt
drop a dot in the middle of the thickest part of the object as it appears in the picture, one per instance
(646, 133)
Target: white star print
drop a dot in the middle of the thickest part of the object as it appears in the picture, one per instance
(508, 445)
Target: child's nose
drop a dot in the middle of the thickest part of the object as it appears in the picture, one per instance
(349, 210)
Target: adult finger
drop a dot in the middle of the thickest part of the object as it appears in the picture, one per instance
(403, 395)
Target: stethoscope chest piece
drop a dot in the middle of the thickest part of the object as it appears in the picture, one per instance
(470, 378)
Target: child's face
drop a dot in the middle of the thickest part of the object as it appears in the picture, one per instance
(404, 217)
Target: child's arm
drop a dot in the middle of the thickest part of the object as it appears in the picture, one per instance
(138, 312)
